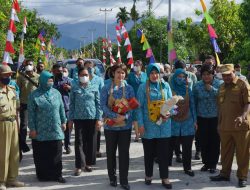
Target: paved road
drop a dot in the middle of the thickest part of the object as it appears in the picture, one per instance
(98, 179)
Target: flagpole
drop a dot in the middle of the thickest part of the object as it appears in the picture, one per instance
(169, 25)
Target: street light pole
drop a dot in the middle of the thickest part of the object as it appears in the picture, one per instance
(92, 41)
(106, 26)
(83, 37)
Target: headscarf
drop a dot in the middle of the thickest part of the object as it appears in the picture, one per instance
(179, 87)
(152, 67)
(43, 80)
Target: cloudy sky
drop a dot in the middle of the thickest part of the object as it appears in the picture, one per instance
(72, 11)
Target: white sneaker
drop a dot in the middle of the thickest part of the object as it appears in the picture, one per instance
(2, 187)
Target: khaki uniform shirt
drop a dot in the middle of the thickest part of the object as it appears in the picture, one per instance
(232, 98)
(8, 103)
(26, 87)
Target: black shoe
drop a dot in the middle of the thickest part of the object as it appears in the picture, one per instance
(88, 169)
(242, 183)
(197, 156)
(204, 168)
(98, 154)
(136, 140)
(68, 150)
(25, 148)
(126, 187)
(212, 170)
(189, 172)
(61, 180)
(178, 159)
(113, 182)
(20, 156)
(148, 181)
(166, 185)
(219, 178)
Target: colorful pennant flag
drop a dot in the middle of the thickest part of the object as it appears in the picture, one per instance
(171, 50)
(146, 46)
(215, 45)
(211, 31)
(203, 5)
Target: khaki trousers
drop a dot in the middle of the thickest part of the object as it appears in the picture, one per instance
(9, 151)
(231, 142)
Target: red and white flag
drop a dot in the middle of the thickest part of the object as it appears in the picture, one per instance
(10, 34)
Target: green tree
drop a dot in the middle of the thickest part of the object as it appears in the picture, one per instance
(35, 24)
(228, 27)
(134, 15)
(123, 15)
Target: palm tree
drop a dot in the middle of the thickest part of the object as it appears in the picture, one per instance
(150, 5)
(134, 15)
(123, 15)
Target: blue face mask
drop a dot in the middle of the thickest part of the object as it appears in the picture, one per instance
(91, 71)
(50, 85)
(181, 81)
(5, 81)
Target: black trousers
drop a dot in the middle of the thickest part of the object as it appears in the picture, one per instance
(48, 159)
(98, 141)
(186, 142)
(210, 141)
(23, 126)
(120, 139)
(177, 147)
(85, 137)
(160, 147)
(197, 140)
(67, 133)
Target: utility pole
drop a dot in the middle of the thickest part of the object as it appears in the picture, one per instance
(106, 27)
(161, 47)
(83, 37)
(92, 41)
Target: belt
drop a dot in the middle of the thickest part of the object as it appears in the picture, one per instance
(11, 119)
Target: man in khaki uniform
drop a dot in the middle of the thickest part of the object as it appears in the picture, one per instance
(26, 86)
(234, 119)
(9, 148)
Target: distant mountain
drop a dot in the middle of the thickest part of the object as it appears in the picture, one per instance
(72, 33)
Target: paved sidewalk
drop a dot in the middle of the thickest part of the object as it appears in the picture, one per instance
(98, 179)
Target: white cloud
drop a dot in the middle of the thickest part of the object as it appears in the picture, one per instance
(62, 11)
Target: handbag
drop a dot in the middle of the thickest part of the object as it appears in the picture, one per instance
(182, 108)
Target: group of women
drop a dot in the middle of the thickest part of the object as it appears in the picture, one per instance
(90, 104)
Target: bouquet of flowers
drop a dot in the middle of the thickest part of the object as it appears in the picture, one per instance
(122, 106)
(169, 108)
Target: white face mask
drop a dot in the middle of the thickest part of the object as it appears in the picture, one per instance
(65, 74)
(29, 68)
(219, 76)
(237, 73)
(137, 68)
(84, 79)
(161, 75)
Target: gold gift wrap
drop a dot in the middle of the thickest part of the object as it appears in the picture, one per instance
(154, 109)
